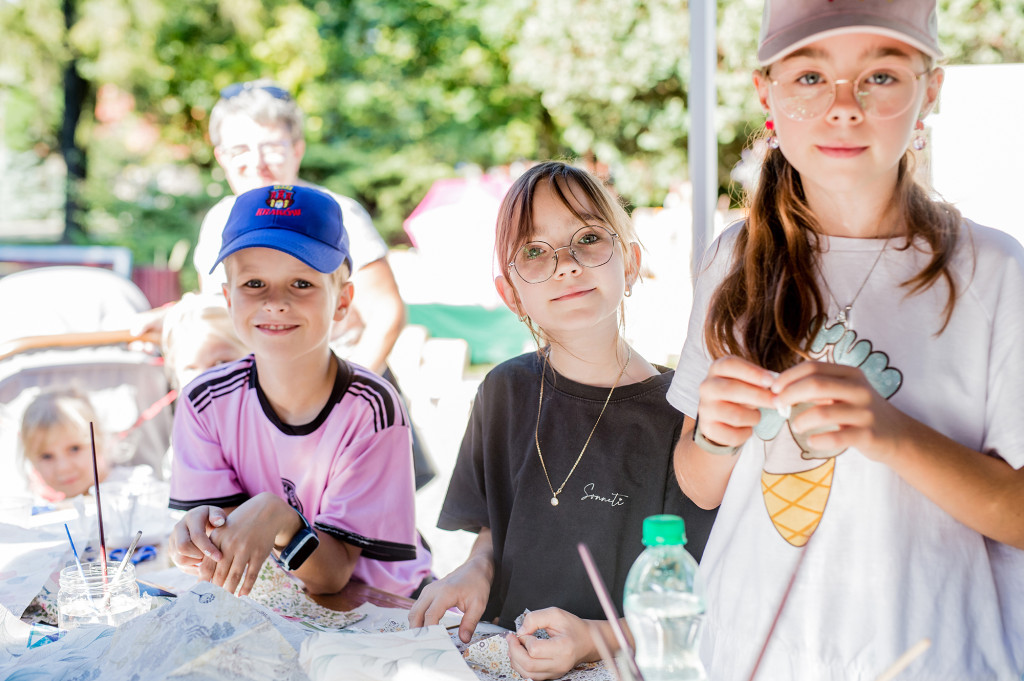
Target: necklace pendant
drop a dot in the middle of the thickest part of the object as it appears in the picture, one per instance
(844, 316)
(554, 501)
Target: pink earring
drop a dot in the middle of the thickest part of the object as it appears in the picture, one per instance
(773, 140)
(920, 141)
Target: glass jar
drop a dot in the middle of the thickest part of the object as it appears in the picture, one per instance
(87, 598)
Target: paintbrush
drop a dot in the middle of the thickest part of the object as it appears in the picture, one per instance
(905, 659)
(99, 506)
(605, 598)
(128, 554)
(78, 562)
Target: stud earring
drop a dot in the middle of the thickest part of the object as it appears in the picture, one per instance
(629, 291)
(773, 140)
(920, 141)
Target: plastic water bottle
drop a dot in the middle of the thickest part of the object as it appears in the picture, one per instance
(664, 604)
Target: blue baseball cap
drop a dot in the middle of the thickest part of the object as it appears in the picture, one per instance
(301, 221)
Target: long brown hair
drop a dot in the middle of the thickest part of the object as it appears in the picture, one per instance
(769, 307)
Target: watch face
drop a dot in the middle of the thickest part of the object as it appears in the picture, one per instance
(301, 547)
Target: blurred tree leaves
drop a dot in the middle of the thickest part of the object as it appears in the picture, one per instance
(397, 93)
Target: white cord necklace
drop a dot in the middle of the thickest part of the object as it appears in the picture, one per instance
(845, 311)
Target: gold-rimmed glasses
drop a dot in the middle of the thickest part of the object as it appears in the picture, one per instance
(881, 91)
(590, 246)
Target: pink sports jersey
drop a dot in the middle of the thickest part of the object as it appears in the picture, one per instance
(349, 471)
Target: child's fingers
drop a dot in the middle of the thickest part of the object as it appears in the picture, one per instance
(738, 369)
(216, 518)
(250, 578)
(229, 574)
(196, 524)
(470, 618)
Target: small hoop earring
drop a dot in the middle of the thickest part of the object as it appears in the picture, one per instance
(772, 141)
(920, 141)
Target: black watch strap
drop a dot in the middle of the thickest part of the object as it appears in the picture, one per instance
(301, 547)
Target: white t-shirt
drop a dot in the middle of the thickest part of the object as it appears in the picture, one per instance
(885, 567)
(365, 244)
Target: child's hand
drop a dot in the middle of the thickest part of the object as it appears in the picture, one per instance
(729, 400)
(190, 543)
(845, 410)
(571, 642)
(467, 588)
(246, 540)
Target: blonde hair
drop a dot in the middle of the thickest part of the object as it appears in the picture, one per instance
(209, 312)
(60, 408)
(572, 186)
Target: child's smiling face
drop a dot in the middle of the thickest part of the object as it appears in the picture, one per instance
(62, 456)
(574, 299)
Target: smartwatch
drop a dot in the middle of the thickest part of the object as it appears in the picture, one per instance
(301, 547)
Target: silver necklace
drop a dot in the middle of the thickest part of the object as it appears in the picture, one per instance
(845, 311)
(536, 431)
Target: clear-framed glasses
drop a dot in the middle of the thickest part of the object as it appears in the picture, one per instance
(235, 89)
(590, 246)
(272, 153)
(881, 91)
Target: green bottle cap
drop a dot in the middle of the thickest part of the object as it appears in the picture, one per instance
(660, 530)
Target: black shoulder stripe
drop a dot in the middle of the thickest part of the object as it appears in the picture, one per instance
(222, 502)
(380, 398)
(374, 549)
(219, 385)
(208, 399)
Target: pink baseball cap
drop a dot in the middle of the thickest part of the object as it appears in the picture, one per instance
(788, 25)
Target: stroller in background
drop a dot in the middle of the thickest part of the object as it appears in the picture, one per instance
(67, 326)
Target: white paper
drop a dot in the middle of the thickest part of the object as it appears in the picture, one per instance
(424, 654)
(27, 560)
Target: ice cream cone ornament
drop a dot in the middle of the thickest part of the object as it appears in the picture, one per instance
(796, 479)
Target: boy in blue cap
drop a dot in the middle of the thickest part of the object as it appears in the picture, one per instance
(292, 452)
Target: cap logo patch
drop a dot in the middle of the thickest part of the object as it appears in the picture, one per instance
(280, 198)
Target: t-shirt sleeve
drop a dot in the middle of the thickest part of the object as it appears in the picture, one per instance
(694, 360)
(465, 505)
(370, 497)
(365, 242)
(200, 472)
(1004, 428)
(208, 246)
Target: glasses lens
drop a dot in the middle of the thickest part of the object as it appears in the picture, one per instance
(272, 153)
(592, 246)
(882, 91)
(886, 92)
(803, 94)
(535, 262)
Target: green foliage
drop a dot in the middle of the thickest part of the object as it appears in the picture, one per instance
(398, 93)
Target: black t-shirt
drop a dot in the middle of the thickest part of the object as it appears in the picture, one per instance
(625, 475)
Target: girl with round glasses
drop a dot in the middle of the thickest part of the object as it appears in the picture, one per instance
(852, 379)
(572, 443)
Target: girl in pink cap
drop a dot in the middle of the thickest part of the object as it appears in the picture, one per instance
(852, 378)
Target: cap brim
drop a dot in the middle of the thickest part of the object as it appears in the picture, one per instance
(786, 42)
(316, 254)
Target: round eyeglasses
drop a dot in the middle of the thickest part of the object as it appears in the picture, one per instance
(881, 91)
(590, 246)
